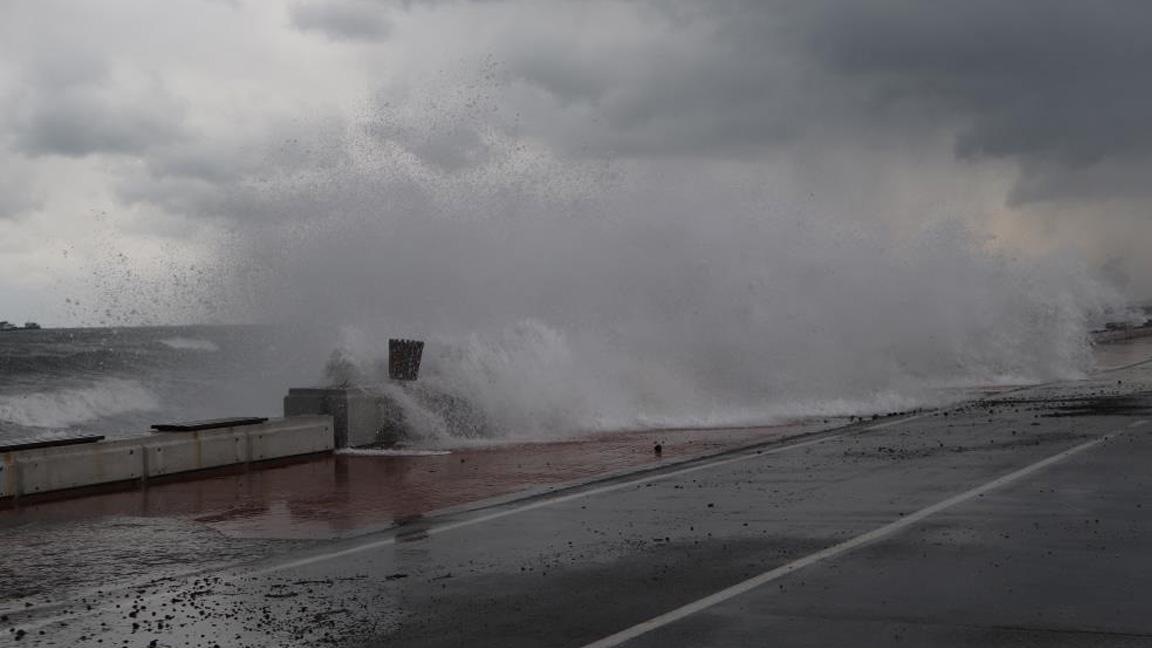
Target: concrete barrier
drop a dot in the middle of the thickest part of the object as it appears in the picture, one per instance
(43, 470)
(175, 452)
(8, 478)
(360, 417)
(296, 435)
(50, 469)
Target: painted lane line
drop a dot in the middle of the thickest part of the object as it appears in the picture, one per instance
(436, 530)
(836, 550)
(540, 504)
(887, 424)
(1135, 424)
(751, 454)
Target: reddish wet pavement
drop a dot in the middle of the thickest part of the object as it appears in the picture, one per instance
(338, 494)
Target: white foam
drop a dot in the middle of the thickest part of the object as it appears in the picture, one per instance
(190, 344)
(535, 382)
(557, 299)
(391, 452)
(67, 407)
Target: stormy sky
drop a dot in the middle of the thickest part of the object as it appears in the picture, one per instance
(147, 149)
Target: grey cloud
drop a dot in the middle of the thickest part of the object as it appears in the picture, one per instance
(450, 148)
(731, 78)
(72, 106)
(237, 177)
(1058, 86)
(1109, 180)
(343, 19)
(1060, 80)
(78, 128)
(17, 193)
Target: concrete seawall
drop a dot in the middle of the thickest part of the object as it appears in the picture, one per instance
(43, 470)
(360, 417)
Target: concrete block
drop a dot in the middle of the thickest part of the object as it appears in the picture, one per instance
(50, 469)
(9, 475)
(360, 417)
(41, 470)
(174, 452)
(289, 437)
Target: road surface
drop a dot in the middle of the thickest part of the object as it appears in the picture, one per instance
(1021, 520)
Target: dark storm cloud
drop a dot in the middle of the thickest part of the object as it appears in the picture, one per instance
(1058, 86)
(724, 81)
(343, 20)
(1058, 80)
(1054, 85)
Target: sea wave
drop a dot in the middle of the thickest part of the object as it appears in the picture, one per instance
(189, 344)
(72, 406)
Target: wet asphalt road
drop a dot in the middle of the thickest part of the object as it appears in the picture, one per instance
(1059, 555)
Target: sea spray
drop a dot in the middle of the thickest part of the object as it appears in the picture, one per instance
(534, 381)
(564, 294)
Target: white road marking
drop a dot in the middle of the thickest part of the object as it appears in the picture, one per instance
(1134, 424)
(384, 542)
(750, 454)
(881, 426)
(835, 550)
(545, 502)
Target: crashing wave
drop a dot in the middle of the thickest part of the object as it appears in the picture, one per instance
(189, 344)
(72, 406)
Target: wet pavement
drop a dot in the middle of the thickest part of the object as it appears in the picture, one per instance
(1022, 519)
(67, 546)
(339, 495)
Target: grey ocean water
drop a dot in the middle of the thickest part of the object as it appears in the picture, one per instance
(526, 382)
(118, 381)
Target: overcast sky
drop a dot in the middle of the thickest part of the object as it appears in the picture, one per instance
(145, 145)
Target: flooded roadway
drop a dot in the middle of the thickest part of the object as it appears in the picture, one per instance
(1026, 519)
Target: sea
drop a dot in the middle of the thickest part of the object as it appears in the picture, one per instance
(524, 384)
(117, 382)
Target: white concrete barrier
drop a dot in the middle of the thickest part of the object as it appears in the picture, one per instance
(296, 435)
(176, 452)
(42, 470)
(50, 469)
(361, 416)
(8, 476)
